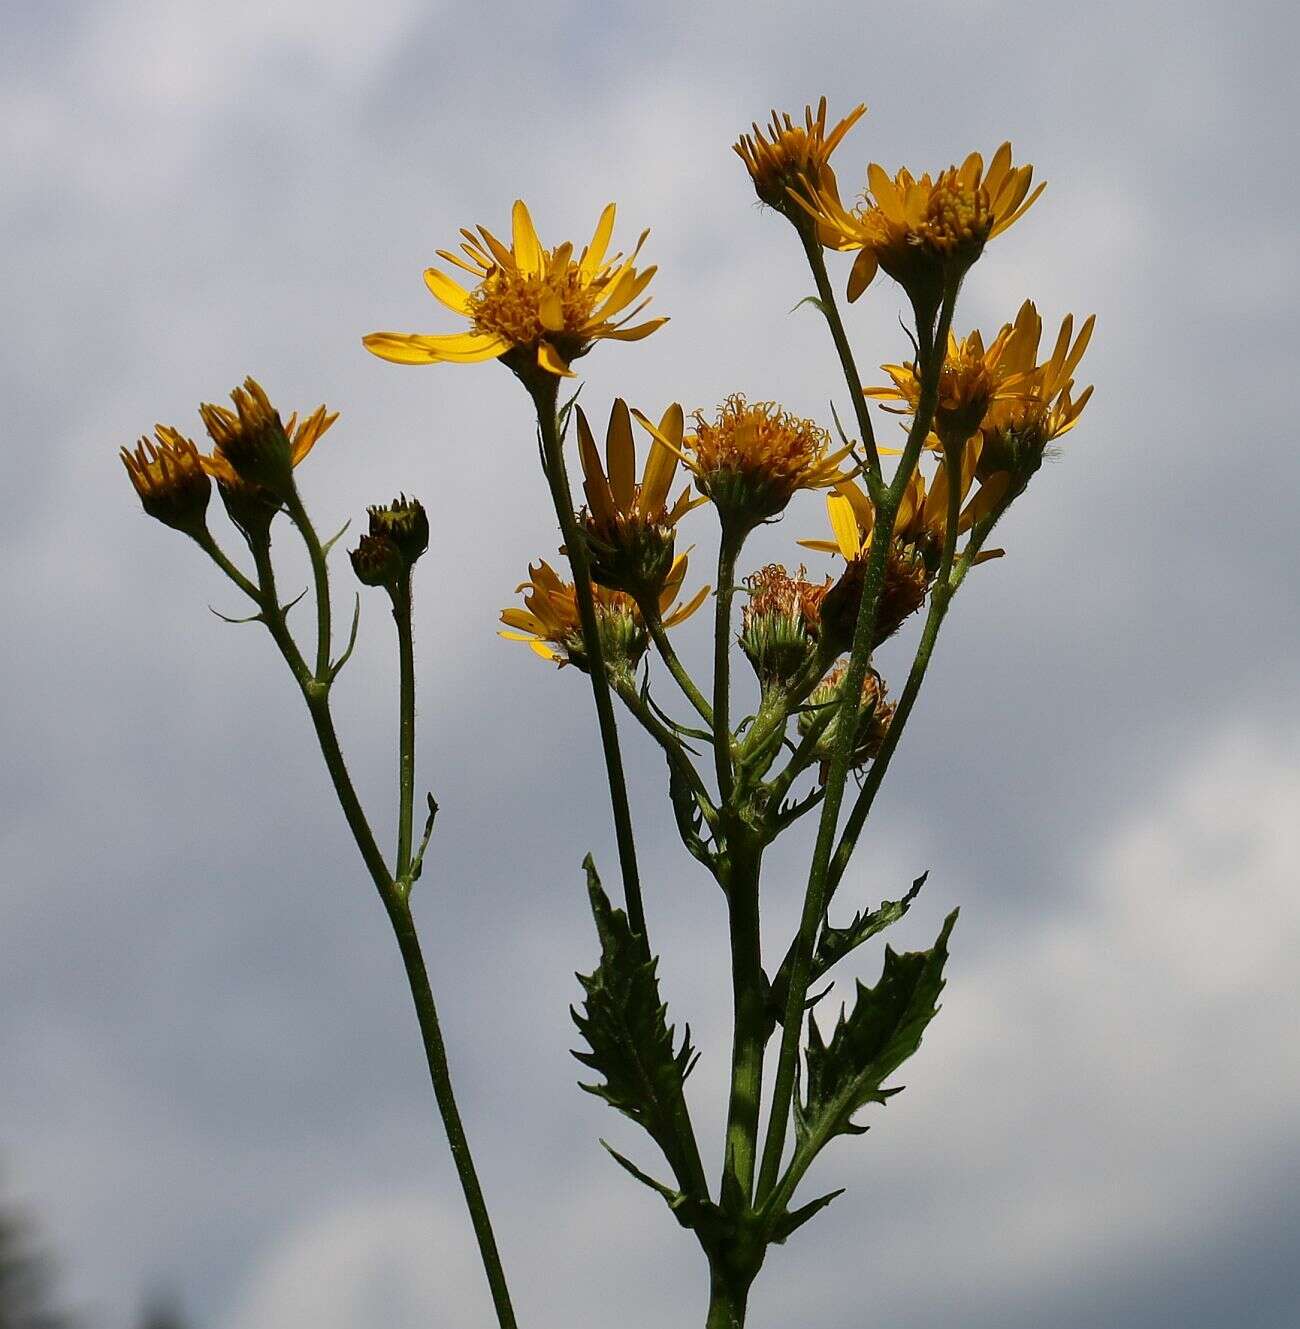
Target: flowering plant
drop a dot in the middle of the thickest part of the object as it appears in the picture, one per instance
(907, 528)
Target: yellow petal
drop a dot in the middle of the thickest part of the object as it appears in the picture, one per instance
(451, 293)
(598, 495)
(528, 251)
(845, 526)
(413, 348)
(661, 465)
(595, 253)
(551, 311)
(685, 611)
(549, 358)
(864, 270)
(637, 333)
(620, 456)
(821, 546)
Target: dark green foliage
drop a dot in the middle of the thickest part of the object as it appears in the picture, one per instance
(870, 1042)
(833, 944)
(624, 1023)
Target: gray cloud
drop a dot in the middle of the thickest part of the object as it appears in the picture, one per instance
(211, 1074)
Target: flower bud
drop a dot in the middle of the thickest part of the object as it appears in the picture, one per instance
(377, 561)
(405, 523)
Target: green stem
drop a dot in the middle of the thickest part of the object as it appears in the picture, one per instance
(439, 1073)
(204, 539)
(659, 635)
(544, 399)
(406, 726)
(728, 550)
(859, 658)
(316, 694)
(940, 601)
(751, 1024)
(831, 311)
(727, 1301)
(320, 577)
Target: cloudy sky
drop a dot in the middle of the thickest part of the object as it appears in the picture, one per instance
(211, 1079)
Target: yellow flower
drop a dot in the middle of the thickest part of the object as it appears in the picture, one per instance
(750, 460)
(629, 526)
(168, 476)
(791, 156)
(1000, 402)
(971, 380)
(552, 627)
(923, 232)
(531, 307)
(1015, 431)
(247, 439)
(914, 552)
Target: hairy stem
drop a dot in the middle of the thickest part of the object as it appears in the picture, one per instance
(406, 726)
(859, 658)
(417, 976)
(831, 312)
(544, 399)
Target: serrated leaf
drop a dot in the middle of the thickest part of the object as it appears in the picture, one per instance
(835, 943)
(871, 1042)
(624, 1023)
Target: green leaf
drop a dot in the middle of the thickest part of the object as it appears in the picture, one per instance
(624, 1023)
(871, 1042)
(835, 943)
(787, 1223)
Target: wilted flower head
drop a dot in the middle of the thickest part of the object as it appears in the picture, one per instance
(551, 624)
(873, 720)
(169, 477)
(536, 309)
(785, 156)
(780, 624)
(630, 524)
(924, 232)
(751, 459)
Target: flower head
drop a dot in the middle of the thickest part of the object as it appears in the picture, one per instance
(250, 442)
(1016, 431)
(781, 623)
(751, 459)
(874, 716)
(551, 625)
(536, 309)
(914, 551)
(630, 524)
(785, 156)
(377, 561)
(169, 477)
(405, 523)
(924, 232)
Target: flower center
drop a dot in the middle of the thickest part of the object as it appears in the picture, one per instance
(508, 303)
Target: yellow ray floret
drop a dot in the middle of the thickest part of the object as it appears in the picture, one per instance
(551, 625)
(785, 155)
(253, 411)
(911, 226)
(534, 306)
